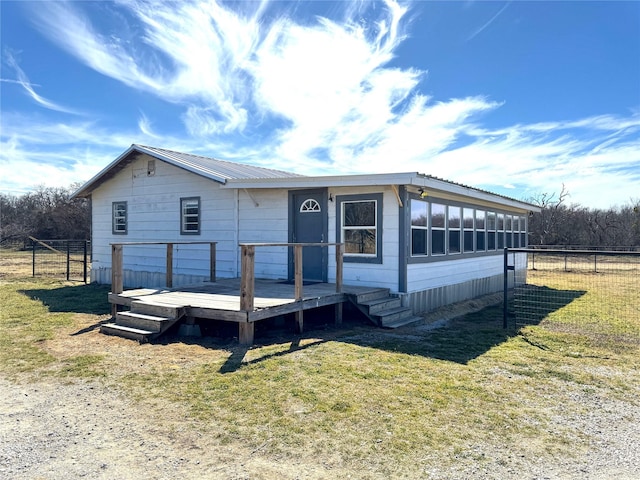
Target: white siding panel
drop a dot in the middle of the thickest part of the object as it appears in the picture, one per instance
(153, 214)
(266, 223)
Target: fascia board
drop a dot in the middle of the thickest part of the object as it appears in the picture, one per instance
(85, 189)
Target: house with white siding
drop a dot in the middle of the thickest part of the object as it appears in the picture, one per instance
(429, 241)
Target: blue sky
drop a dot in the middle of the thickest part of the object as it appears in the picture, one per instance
(514, 97)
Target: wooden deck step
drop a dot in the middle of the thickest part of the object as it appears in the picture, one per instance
(381, 304)
(140, 335)
(142, 321)
(145, 321)
(393, 315)
(384, 309)
(403, 322)
(369, 295)
(158, 309)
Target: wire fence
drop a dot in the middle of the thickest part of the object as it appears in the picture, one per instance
(67, 259)
(575, 289)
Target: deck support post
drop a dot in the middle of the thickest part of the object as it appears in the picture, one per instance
(297, 265)
(116, 274)
(169, 271)
(339, 263)
(247, 286)
(212, 262)
(245, 333)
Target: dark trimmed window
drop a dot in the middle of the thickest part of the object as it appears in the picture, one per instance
(467, 225)
(500, 231)
(438, 229)
(481, 244)
(190, 216)
(491, 230)
(119, 218)
(454, 224)
(360, 227)
(419, 227)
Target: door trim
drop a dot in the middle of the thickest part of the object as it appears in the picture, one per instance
(324, 203)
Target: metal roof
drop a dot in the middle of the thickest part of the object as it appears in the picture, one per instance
(218, 170)
(239, 175)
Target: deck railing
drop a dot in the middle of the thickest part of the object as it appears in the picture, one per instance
(247, 276)
(247, 281)
(117, 272)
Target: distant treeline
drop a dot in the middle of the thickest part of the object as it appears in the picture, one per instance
(563, 225)
(46, 213)
(49, 213)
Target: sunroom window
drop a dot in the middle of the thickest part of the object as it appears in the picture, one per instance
(467, 225)
(419, 227)
(438, 230)
(454, 229)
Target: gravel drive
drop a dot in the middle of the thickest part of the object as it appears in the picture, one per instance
(85, 430)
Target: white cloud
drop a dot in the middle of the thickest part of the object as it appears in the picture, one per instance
(24, 82)
(312, 95)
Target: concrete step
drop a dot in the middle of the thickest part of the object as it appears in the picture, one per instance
(381, 304)
(372, 295)
(142, 321)
(402, 322)
(392, 315)
(126, 332)
(158, 309)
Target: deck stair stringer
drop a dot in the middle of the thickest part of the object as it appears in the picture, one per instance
(383, 309)
(145, 321)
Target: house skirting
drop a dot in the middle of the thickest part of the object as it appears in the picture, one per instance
(427, 300)
(135, 278)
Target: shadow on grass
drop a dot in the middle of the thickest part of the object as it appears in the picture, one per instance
(91, 299)
(459, 340)
(236, 359)
(532, 303)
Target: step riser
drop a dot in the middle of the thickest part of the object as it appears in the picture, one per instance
(155, 326)
(394, 317)
(380, 307)
(367, 297)
(402, 323)
(108, 330)
(169, 311)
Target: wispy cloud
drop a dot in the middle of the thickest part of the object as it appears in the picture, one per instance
(24, 82)
(489, 22)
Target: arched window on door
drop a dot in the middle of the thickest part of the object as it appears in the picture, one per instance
(310, 205)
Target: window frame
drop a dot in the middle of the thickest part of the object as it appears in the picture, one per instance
(485, 229)
(466, 230)
(422, 230)
(184, 231)
(114, 222)
(341, 200)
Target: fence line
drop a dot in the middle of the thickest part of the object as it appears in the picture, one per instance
(573, 288)
(61, 258)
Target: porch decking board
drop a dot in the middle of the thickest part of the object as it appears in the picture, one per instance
(220, 300)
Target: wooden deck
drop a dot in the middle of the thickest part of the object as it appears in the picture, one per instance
(220, 300)
(243, 300)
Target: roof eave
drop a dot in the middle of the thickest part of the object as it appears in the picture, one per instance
(407, 178)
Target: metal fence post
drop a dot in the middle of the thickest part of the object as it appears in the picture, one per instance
(84, 264)
(68, 259)
(33, 258)
(506, 287)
